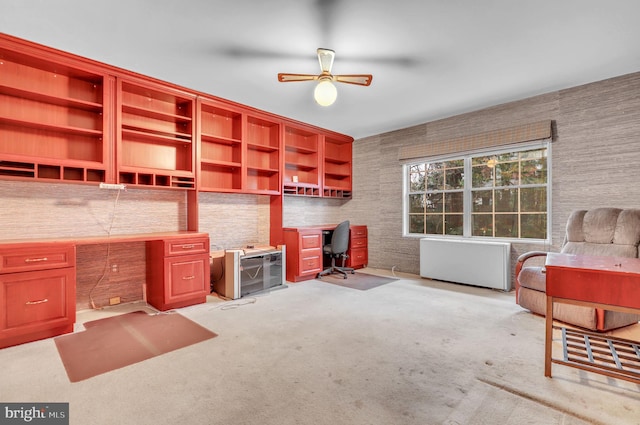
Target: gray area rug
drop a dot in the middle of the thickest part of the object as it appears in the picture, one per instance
(357, 280)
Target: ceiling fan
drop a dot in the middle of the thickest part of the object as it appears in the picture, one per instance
(325, 92)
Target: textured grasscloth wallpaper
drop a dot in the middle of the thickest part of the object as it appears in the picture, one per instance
(594, 158)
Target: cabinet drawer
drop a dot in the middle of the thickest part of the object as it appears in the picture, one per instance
(358, 258)
(37, 300)
(311, 240)
(310, 264)
(37, 258)
(358, 232)
(184, 246)
(358, 243)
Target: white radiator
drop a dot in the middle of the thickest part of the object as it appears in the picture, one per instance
(476, 263)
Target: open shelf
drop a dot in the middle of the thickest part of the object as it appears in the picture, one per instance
(220, 148)
(337, 169)
(302, 162)
(262, 159)
(50, 99)
(219, 123)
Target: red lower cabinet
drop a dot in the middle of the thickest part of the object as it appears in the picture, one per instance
(178, 273)
(37, 292)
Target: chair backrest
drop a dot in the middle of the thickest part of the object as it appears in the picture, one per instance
(340, 238)
(611, 232)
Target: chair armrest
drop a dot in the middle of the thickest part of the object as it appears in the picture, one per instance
(524, 257)
(521, 260)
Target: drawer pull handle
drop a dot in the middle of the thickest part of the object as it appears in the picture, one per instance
(37, 302)
(35, 260)
(188, 246)
(188, 277)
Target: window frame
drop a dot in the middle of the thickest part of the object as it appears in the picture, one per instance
(467, 197)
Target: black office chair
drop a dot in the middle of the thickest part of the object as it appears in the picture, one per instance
(338, 248)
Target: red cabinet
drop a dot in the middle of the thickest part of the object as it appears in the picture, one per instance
(37, 292)
(358, 253)
(53, 116)
(304, 248)
(316, 164)
(155, 144)
(178, 273)
(66, 118)
(301, 162)
(337, 167)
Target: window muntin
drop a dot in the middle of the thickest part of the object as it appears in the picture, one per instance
(436, 197)
(501, 195)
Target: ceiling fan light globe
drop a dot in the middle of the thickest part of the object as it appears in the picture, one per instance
(325, 93)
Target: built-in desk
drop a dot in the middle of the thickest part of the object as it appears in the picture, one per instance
(38, 279)
(304, 249)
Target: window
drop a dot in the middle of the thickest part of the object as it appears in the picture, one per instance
(500, 194)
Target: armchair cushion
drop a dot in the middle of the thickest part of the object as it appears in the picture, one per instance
(533, 277)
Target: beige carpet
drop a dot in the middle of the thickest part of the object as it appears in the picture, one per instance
(412, 352)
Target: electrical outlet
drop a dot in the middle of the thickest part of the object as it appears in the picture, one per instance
(114, 300)
(114, 268)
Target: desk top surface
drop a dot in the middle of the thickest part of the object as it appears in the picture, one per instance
(94, 240)
(593, 263)
(318, 227)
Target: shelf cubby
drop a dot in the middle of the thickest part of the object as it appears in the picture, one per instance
(220, 124)
(300, 190)
(220, 177)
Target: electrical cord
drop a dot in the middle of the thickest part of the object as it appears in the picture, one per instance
(235, 304)
(106, 262)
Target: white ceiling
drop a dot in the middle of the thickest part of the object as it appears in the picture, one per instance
(429, 59)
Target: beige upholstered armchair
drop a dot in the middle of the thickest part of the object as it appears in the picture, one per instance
(601, 231)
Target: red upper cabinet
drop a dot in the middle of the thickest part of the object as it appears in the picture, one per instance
(155, 143)
(65, 118)
(316, 164)
(220, 147)
(239, 150)
(53, 116)
(302, 162)
(262, 155)
(337, 168)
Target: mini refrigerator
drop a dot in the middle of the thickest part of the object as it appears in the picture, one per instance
(252, 272)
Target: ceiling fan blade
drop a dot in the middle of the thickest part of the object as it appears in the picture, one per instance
(359, 79)
(286, 78)
(325, 57)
